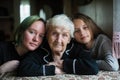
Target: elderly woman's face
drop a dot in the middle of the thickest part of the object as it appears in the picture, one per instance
(58, 38)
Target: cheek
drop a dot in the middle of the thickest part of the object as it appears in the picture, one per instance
(26, 37)
(66, 41)
(90, 34)
(25, 41)
(40, 42)
(50, 40)
(77, 36)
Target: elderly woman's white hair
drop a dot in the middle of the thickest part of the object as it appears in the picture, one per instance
(61, 20)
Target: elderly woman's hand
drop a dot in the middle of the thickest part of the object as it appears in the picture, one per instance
(58, 66)
(51, 63)
(58, 71)
(57, 63)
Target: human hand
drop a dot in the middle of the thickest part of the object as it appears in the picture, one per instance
(58, 66)
(51, 63)
(58, 71)
(9, 66)
(57, 63)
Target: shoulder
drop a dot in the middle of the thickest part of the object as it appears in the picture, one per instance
(40, 52)
(75, 44)
(6, 44)
(76, 48)
(72, 45)
(102, 38)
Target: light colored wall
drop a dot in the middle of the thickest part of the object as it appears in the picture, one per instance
(116, 16)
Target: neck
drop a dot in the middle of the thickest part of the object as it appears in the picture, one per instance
(21, 50)
(89, 45)
(57, 56)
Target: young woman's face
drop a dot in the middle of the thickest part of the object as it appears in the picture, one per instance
(82, 33)
(33, 36)
(58, 38)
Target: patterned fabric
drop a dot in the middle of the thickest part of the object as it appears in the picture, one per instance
(116, 44)
(116, 28)
(102, 75)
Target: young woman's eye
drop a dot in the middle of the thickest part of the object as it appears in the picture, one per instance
(85, 27)
(32, 32)
(41, 36)
(77, 30)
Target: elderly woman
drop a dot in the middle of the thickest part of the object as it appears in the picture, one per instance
(59, 54)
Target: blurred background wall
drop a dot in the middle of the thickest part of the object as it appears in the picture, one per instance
(12, 12)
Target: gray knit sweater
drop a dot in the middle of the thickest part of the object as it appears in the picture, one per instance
(102, 52)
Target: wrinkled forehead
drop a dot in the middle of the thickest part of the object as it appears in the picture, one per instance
(58, 28)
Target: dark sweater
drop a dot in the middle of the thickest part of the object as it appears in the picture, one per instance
(7, 52)
(75, 62)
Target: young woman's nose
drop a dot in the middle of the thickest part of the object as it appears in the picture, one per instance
(81, 32)
(36, 38)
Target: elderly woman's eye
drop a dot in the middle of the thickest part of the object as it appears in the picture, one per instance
(65, 35)
(54, 33)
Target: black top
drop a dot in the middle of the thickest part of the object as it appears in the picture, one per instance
(8, 52)
(75, 62)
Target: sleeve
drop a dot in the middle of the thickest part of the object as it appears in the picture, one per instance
(83, 65)
(33, 66)
(106, 60)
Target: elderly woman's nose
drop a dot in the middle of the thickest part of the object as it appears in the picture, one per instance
(59, 38)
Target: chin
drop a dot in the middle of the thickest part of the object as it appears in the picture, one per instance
(58, 50)
(32, 49)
